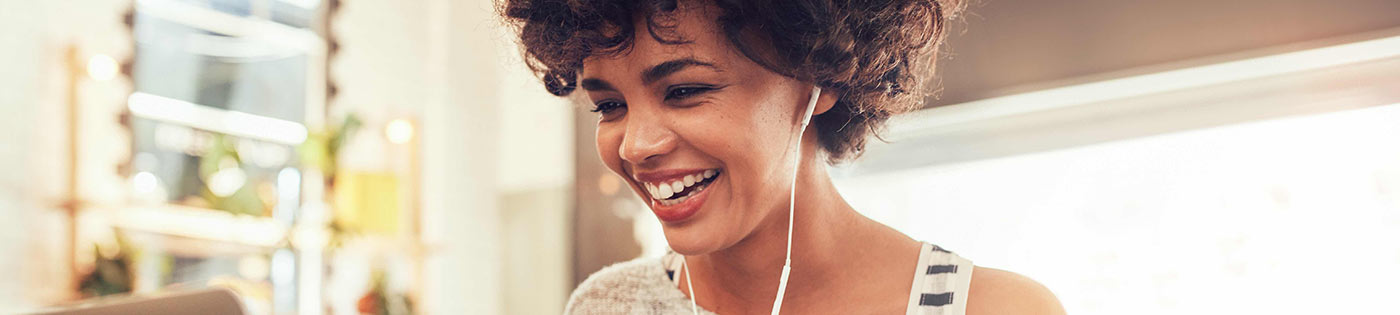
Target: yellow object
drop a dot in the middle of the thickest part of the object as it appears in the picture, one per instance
(368, 202)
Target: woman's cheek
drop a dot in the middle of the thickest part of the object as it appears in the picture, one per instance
(608, 142)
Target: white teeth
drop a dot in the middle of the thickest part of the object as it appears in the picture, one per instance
(664, 192)
(675, 201)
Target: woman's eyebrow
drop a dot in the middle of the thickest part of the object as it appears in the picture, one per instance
(652, 74)
(667, 68)
(591, 84)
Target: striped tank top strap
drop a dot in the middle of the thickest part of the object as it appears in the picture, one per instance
(672, 262)
(941, 283)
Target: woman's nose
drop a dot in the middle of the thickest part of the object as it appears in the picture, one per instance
(648, 136)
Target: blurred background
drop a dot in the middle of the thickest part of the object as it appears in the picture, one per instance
(395, 157)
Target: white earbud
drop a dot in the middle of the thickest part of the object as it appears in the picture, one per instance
(792, 206)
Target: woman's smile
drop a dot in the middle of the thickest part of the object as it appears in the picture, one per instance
(676, 195)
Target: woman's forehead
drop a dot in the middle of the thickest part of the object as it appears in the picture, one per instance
(700, 38)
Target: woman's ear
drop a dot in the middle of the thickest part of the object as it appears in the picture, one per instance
(826, 101)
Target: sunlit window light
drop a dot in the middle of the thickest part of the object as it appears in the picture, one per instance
(304, 4)
(201, 224)
(234, 123)
(288, 194)
(1137, 226)
(283, 268)
(193, 15)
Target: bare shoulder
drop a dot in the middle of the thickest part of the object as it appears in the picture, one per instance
(996, 292)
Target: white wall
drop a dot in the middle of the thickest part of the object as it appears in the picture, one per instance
(497, 149)
(33, 89)
(536, 170)
(20, 34)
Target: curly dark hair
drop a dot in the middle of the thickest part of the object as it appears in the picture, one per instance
(878, 55)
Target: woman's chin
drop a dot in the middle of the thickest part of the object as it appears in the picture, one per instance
(690, 240)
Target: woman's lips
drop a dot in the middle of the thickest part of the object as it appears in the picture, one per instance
(685, 209)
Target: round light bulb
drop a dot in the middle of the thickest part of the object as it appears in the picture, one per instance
(399, 131)
(102, 68)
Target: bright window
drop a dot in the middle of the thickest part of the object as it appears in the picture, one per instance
(1290, 214)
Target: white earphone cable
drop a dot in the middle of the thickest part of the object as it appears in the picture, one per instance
(685, 267)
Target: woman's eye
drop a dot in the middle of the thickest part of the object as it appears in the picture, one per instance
(685, 91)
(605, 106)
(608, 108)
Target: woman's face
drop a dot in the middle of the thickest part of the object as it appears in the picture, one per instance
(702, 133)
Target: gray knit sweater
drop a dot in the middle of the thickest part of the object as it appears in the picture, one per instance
(644, 286)
(639, 286)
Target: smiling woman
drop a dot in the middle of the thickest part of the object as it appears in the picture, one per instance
(701, 111)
